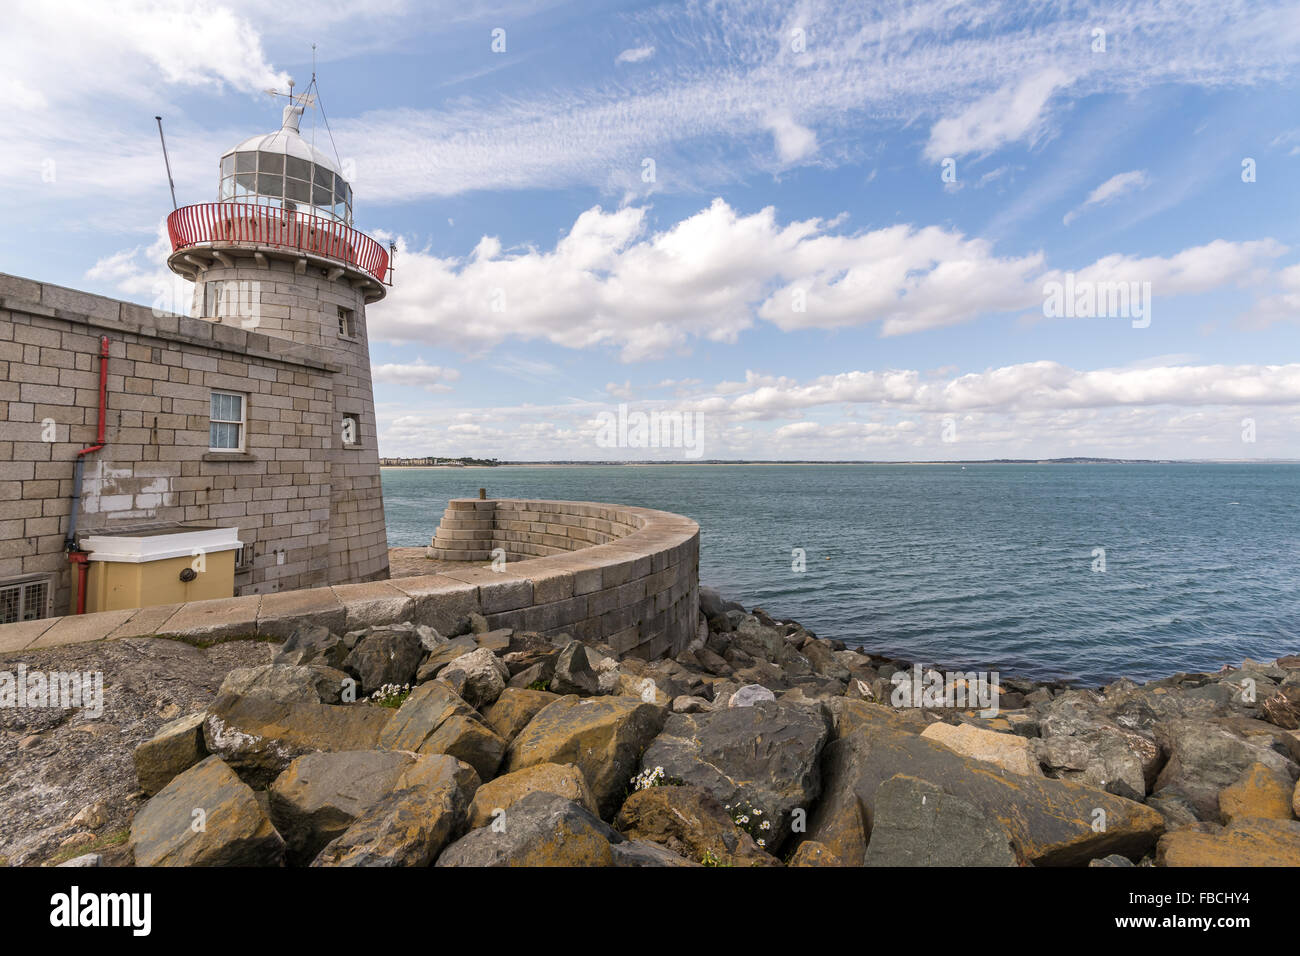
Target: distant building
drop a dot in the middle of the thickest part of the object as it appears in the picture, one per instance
(149, 430)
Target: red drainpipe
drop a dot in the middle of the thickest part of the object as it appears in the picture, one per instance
(80, 558)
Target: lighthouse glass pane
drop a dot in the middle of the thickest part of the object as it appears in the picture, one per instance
(227, 164)
(269, 184)
(297, 168)
(228, 188)
(270, 162)
(320, 196)
(324, 178)
(297, 191)
(246, 162)
(245, 184)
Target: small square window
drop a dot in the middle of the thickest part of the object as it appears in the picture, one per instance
(351, 431)
(226, 422)
(347, 323)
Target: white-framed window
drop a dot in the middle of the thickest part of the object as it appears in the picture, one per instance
(226, 428)
(347, 323)
(351, 430)
(25, 599)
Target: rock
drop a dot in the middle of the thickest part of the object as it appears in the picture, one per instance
(690, 705)
(1049, 822)
(846, 715)
(1258, 793)
(92, 816)
(312, 645)
(644, 853)
(574, 673)
(443, 655)
(1002, 750)
(514, 709)
(385, 655)
(286, 683)
(540, 829)
(1283, 708)
(1243, 843)
(86, 859)
(563, 780)
(434, 720)
(320, 795)
(690, 822)
(177, 746)
(1119, 761)
(405, 828)
(603, 736)
(234, 830)
(766, 755)
(1113, 860)
(749, 695)
(259, 738)
(915, 823)
(711, 603)
(478, 677)
(498, 641)
(1204, 757)
(713, 663)
(758, 640)
(812, 853)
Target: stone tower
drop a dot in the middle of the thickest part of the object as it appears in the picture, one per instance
(277, 254)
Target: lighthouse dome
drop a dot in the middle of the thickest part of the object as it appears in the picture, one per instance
(283, 170)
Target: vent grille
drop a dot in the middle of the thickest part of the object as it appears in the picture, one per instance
(26, 601)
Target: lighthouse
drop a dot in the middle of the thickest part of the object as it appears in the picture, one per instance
(277, 254)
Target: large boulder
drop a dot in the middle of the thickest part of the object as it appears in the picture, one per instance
(312, 645)
(514, 709)
(177, 746)
(287, 683)
(1204, 757)
(206, 816)
(918, 824)
(765, 755)
(603, 737)
(574, 673)
(643, 853)
(497, 796)
(691, 823)
(1109, 757)
(320, 795)
(258, 737)
(1243, 843)
(541, 829)
(1049, 822)
(1007, 751)
(444, 654)
(404, 828)
(1258, 793)
(478, 677)
(385, 655)
(434, 720)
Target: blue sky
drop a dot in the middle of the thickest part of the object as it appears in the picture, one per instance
(798, 153)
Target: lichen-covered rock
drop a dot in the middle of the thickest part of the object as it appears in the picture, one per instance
(177, 746)
(1258, 793)
(564, 780)
(766, 755)
(1050, 822)
(690, 822)
(917, 824)
(512, 711)
(385, 655)
(478, 677)
(812, 853)
(1205, 757)
(407, 827)
(287, 683)
(602, 736)
(1243, 843)
(749, 695)
(643, 853)
(320, 795)
(1119, 761)
(435, 720)
(313, 645)
(258, 737)
(206, 816)
(541, 829)
(1002, 750)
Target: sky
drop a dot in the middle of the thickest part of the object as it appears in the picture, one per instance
(813, 231)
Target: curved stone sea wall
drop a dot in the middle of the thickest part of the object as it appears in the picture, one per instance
(622, 575)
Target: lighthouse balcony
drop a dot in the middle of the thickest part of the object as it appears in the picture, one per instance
(220, 231)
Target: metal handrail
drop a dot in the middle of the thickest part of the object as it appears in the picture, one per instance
(274, 226)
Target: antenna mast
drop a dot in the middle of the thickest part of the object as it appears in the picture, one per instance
(167, 162)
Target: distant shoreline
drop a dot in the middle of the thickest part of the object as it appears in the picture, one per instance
(750, 464)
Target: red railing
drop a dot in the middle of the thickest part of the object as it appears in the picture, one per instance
(270, 226)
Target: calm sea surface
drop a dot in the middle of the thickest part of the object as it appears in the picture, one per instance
(991, 566)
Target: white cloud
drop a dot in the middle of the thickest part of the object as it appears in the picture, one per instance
(636, 54)
(1008, 115)
(793, 142)
(1111, 189)
(431, 378)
